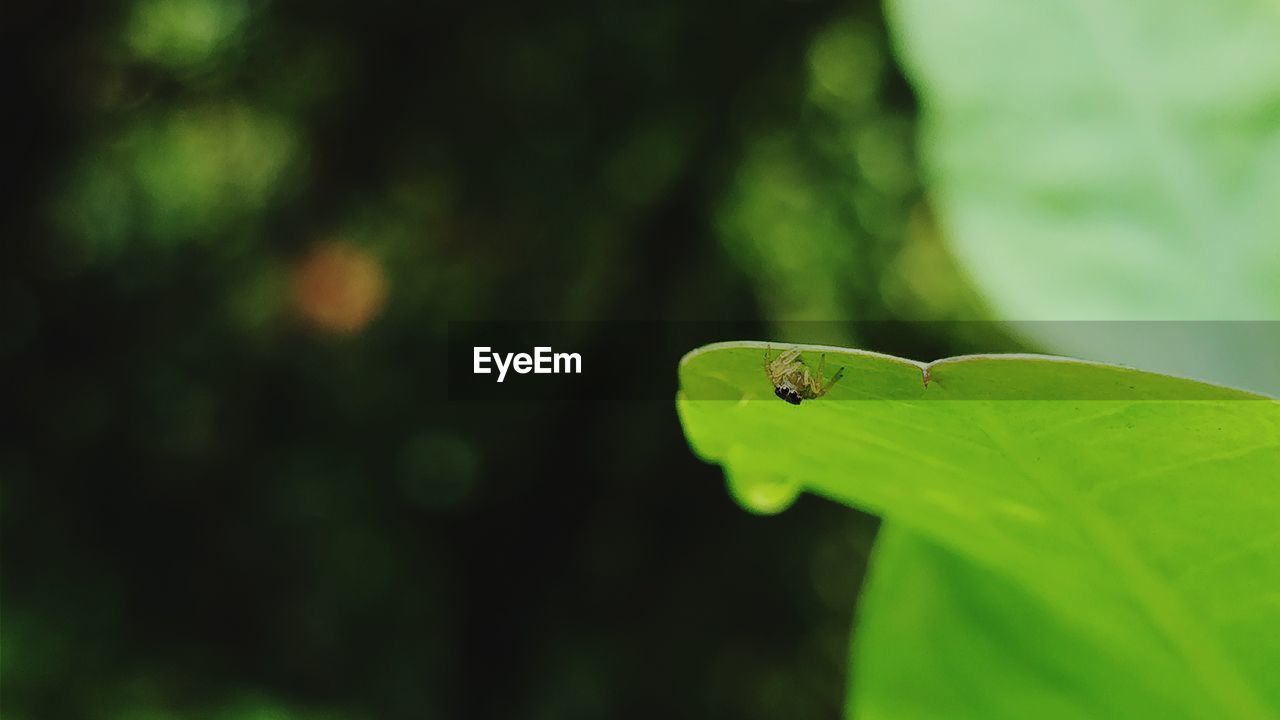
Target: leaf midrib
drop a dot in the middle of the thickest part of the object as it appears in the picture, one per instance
(1221, 678)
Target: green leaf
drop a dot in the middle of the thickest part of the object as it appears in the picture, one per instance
(1108, 161)
(1062, 539)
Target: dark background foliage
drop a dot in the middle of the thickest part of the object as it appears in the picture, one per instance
(233, 484)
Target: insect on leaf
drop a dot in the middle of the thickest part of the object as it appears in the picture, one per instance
(1062, 539)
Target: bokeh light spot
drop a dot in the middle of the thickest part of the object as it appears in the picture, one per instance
(845, 66)
(882, 149)
(259, 298)
(207, 165)
(923, 281)
(784, 223)
(339, 287)
(95, 208)
(180, 177)
(438, 470)
(183, 34)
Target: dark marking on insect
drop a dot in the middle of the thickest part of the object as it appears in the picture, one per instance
(787, 394)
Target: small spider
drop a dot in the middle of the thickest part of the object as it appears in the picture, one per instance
(792, 380)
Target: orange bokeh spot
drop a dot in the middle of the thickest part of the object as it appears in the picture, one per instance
(339, 287)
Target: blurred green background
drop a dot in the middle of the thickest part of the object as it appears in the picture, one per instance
(232, 486)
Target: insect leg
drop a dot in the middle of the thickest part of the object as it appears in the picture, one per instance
(839, 374)
(806, 378)
(790, 368)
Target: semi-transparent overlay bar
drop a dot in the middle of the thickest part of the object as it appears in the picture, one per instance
(576, 362)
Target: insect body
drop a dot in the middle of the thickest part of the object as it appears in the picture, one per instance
(792, 380)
